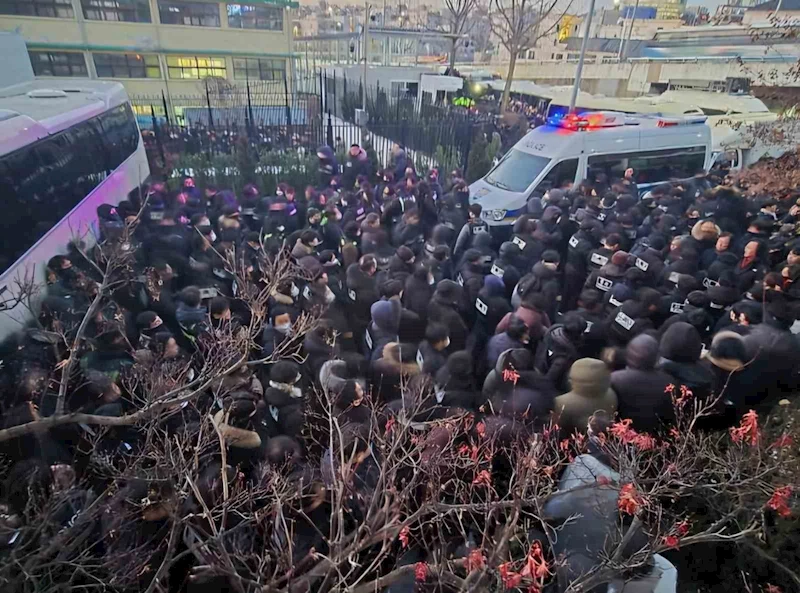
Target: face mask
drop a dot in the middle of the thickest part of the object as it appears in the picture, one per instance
(212, 237)
(447, 343)
(430, 280)
(294, 291)
(283, 328)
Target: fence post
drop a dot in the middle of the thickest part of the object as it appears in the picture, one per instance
(250, 120)
(166, 109)
(323, 99)
(329, 131)
(208, 104)
(157, 134)
(336, 92)
(288, 105)
(465, 156)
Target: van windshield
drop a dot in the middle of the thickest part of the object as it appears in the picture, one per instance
(516, 171)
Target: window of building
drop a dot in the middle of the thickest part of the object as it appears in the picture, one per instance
(653, 166)
(52, 8)
(58, 63)
(195, 67)
(127, 66)
(42, 182)
(127, 11)
(196, 14)
(258, 69)
(249, 16)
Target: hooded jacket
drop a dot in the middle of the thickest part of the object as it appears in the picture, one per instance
(641, 389)
(680, 350)
(537, 321)
(384, 327)
(590, 392)
(362, 291)
(444, 308)
(387, 372)
(555, 356)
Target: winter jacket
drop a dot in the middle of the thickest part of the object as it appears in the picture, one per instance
(537, 321)
(387, 373)
(641, 389)
(680, 350)
(590, 392)
(383, 328)
(555, 356)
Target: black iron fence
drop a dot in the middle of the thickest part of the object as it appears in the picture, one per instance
(264, 117)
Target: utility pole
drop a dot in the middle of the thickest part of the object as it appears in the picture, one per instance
(581, 58)
(630, 31)
(366, 56)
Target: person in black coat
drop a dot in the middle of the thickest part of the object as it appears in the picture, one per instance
(504, 267)
(434, 349)
(419, 290)
(679, 350)
(362, 291)
(328, 167)
(445, 308)
(559, 348)
(357, 165)
(641, 389)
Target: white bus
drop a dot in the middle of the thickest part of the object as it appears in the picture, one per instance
(66, 147)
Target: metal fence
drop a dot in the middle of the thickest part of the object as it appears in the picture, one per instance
(224, 118)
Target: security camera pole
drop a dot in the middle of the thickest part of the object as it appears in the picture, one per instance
(579, 71)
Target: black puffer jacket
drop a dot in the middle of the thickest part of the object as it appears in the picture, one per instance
(555, 356)
(680, 350)
(641, 389)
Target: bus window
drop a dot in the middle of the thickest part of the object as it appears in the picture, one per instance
(652, 166)
(561, 175)
(43, 182)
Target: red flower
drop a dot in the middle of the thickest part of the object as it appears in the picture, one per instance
(510, 579)
(644, 442)
(682, 528)
(779, 501)
(674, 433)
(475, 560)
(669, 388)
(480, 428)
(389, 425)
(747, 430)
(629, 500)
(403, 536)
(564, 445)
(420, 572)
(535, 564)
(510, 375)
(603, 480)
(623, 431)
(671, 541)
(782, 442)
(772, 589)
(484, 478)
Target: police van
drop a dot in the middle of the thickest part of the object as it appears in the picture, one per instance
(572, 148)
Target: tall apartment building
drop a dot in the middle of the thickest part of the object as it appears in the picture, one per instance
(155, 45)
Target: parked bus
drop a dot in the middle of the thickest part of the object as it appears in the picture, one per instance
(66, 147)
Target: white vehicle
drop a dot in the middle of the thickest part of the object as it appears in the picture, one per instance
(66, 147)
(576, 147)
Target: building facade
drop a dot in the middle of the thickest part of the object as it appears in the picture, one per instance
(155, 46)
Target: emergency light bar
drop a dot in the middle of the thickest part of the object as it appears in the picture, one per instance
(612, 119)
(585, 121)
(672, 122)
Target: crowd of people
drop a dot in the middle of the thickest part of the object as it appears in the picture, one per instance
(596, 306)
